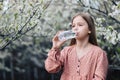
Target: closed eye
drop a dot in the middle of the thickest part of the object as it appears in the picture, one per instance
(80, 25)
(73, 26)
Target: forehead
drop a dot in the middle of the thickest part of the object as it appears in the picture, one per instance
(78, 19)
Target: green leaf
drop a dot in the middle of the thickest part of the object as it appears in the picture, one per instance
(118, 49)
(7, 39)
(118, 6)
(31, 4)
(110, 27)
(0, 40)
(41, 1)
(16, 15)
(16, 28)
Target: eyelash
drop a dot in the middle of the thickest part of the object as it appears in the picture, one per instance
(73, 26)
(79, 25)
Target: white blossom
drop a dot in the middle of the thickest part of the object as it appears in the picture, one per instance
(118, 36)
(5, 4)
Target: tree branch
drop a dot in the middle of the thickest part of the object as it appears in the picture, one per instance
(31, 16)
(114, 2)
(105, 7)
(14, 37)
(104, 13)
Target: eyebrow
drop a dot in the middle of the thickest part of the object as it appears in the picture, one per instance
(78, 22)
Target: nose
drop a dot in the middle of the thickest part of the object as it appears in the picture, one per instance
(75, 29)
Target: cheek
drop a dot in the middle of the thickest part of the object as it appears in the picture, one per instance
(83, 32)
(84, 29)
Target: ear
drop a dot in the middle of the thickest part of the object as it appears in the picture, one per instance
(89, 32)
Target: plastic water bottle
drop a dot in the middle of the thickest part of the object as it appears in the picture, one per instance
(65, 35)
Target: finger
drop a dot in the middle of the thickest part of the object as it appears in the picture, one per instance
(56, 35)
(59, 32)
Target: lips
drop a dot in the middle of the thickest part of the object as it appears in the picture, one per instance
(76, 34)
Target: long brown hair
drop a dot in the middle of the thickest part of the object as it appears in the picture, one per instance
(92, 36)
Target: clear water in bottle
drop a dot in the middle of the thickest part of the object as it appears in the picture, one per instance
(65, 35)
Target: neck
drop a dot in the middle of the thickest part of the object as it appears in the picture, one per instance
(82, 43)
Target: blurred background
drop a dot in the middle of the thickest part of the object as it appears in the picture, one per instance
(27, 27)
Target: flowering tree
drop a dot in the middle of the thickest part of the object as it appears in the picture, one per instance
(27, 27)
(19, 17)
(107, 22)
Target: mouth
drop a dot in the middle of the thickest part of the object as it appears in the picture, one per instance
(76, 34)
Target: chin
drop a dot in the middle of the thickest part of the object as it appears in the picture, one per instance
(77, 37)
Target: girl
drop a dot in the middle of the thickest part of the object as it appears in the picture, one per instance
(83, 59)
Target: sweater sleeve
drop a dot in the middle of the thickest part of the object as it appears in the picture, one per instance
(54, 61)
(101, 67)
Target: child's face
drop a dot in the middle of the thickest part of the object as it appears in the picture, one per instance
(80, 27)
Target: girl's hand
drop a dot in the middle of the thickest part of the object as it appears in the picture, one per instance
(56, 42)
